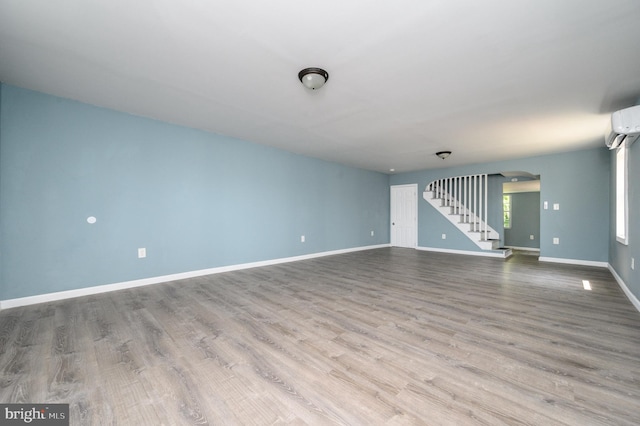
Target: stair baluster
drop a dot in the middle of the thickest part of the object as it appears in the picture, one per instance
(466, 199)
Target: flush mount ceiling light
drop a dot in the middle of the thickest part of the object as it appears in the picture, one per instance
(313, 78)
(443, 154)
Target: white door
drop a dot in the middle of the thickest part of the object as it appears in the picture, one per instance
(404, 215)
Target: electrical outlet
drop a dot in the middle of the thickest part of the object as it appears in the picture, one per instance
(372, 233)
(444, 236)
(556, 240)
(556, 206)
(142, 252)
(302, 239)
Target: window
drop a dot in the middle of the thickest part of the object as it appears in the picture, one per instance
(622, 209)
(506, 211)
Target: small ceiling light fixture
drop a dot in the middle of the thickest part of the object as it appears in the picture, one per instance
(443, 154)
(313, 78)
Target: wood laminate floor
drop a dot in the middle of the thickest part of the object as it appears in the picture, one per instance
(381, 337)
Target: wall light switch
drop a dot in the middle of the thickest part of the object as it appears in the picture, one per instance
(302, 238)
(444, 236)
(633, 263)
(372, 233)
(546, 205)
(556, 240)
(556, 206)
(531, 237)
(142, 252)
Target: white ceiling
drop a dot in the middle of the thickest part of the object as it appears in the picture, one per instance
(488, 80)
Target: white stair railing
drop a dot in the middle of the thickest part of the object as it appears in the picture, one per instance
(468, 196)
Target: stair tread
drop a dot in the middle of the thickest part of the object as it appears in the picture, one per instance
(477, 231)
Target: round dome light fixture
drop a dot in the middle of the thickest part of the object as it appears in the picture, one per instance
(313, 78)
(443, 154)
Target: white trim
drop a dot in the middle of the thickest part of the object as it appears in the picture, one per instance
(624, 149)
(87, 291)
(523, 248)
(632, 297)
(510, 208)
(502, 254)
(413, 186)
(464, 227)
(573, 261)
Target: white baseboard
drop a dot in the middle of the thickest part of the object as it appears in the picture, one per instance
(88, 291)
(573, 261)
(500, 255)
(632, 298)
(524, 248)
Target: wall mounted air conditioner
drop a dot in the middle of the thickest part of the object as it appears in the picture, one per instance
(623, 128)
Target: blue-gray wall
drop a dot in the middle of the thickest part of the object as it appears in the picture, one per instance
(525, 221)
(195, 200)
(578, 181)
(619, 254)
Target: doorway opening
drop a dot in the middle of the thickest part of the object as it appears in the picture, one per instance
(521, 212)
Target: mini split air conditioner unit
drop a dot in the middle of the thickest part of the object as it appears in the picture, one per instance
(623, 128)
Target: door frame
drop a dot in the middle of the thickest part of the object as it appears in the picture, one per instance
(413, 186)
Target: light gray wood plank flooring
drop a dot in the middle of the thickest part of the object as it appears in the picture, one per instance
(389, 336)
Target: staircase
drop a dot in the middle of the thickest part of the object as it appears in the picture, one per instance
(463, 200)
